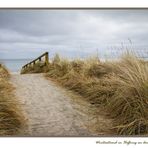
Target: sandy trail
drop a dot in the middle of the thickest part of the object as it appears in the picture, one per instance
(50, 109)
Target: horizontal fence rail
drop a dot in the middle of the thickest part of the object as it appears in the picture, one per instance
(38, 59)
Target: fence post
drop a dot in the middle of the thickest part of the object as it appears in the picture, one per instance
(46, 58)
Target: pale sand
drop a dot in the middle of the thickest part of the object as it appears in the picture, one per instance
(52, 110)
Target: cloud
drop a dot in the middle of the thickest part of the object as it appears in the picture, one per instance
(70, 32)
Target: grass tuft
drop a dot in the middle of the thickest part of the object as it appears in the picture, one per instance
(11, 118)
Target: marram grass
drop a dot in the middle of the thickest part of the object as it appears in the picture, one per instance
(129, 104)
(11, 118)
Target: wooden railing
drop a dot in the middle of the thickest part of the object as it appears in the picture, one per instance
(46, 60)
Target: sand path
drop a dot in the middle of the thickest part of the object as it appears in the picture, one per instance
(51, 110)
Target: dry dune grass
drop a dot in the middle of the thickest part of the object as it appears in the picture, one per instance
(11, 118)
(119, 86)
(81, 77)
(129, 104)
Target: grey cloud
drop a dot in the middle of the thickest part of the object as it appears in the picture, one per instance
(70, 31)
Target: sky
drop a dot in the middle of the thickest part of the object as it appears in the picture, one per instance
(71, 33)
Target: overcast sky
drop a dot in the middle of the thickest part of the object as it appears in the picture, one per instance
(28, 33)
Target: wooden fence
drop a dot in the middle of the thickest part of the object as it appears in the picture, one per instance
(46, 60)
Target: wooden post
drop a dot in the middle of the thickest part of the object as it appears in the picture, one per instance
(46, 58)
